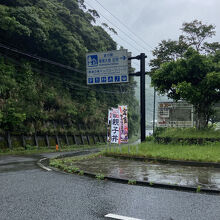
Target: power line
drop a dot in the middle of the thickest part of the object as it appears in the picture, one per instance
(59, 79)
(100, 25)
(127, 42)
(92, 27)
(53, 75)
(118, 27)
(124, 25)
(67, 21)
(41, 58)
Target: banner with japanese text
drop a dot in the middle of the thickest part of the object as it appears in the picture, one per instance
(115, 126)
(123, 124)
(109, 125)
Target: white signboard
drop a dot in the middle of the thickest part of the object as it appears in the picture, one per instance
(115, 126)
(107, 67)
(175, 114)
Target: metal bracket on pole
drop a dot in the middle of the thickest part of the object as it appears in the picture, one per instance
(135, 58)
(142, 74)
(135, 74)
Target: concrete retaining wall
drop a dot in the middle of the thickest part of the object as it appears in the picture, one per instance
(17, 141)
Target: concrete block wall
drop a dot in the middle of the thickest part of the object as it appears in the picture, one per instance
(22, 141)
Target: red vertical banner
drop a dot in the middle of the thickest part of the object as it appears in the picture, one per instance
(123, 124)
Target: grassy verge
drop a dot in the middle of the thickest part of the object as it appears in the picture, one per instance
(35, 150)
(189, 133)
(66, 164)
(201, 153)
(133, 139)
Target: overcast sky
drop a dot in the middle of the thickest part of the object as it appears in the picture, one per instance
(154, 20)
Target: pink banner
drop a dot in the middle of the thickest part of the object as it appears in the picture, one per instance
(123, 124)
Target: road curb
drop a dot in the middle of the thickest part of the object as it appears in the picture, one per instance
(145, 183)
(165, 161)
(198, 189)
(39, 163)
(44, 162)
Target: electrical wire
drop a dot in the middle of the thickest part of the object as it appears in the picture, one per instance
(67, 21)
(60, 65)
(81, 87)
(44, 60)
(41, 58)
(118, 28)
(117, 36)
(124, 24)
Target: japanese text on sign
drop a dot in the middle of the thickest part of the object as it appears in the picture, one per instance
(107, 67)
(123, 124)
(117, 130)
(115, 126)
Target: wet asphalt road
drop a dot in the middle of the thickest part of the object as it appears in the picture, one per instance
(28, 192)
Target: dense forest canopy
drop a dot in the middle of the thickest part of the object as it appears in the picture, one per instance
(35, 95)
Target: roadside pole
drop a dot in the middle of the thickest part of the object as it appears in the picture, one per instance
(142, 73)
(98, 73)
(154, 111)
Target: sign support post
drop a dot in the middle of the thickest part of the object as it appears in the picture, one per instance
(112, 67)
(154, 111)
(142, 73)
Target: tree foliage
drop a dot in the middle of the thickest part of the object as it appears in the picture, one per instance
(194, 35)
(188, 69)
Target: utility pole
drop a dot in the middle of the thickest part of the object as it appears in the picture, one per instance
(142, 73)
(154, 111)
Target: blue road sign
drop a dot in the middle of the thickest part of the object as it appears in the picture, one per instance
(92, 60)
(110, 79)
(90, 80)
(103, 79)
(97, 79)
(107, 67)
(124, 78)
(117, 78)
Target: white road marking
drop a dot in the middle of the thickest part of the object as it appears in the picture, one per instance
(42, 166)
(120, 217)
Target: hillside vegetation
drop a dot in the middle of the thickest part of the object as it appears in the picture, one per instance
(36, 96)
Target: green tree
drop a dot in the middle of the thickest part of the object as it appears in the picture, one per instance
(194, 78)
(188, 69)
(194, 35)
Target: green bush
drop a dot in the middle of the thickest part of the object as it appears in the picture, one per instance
(149, 138)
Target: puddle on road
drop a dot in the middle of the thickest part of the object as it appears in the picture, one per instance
(14, 163)
(20, 166)
(156, 173)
